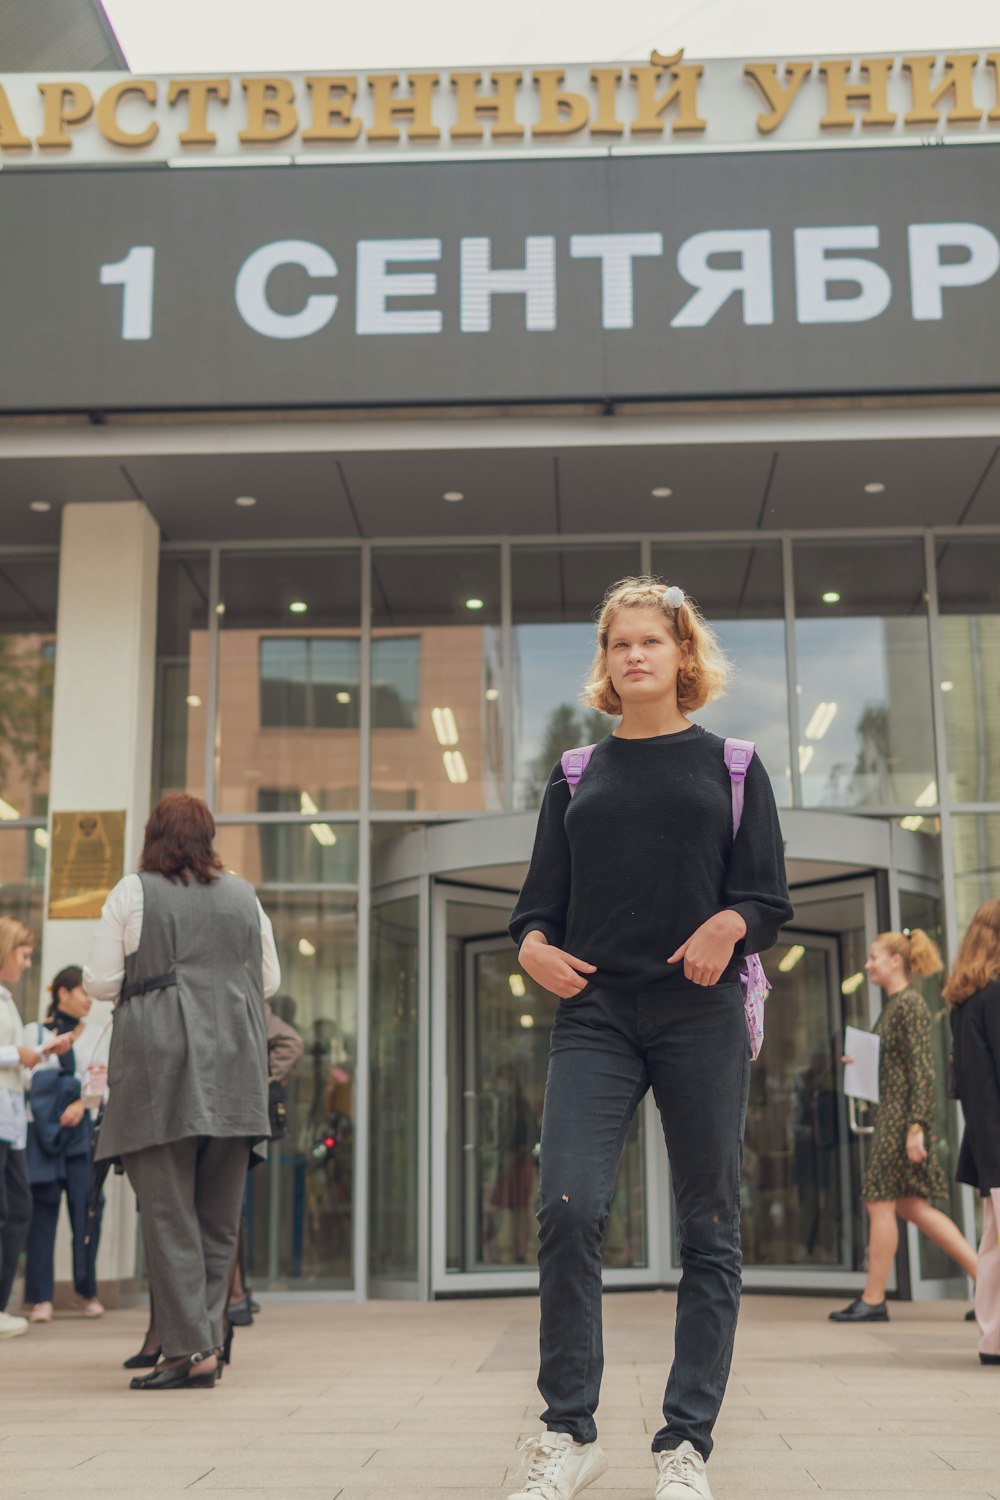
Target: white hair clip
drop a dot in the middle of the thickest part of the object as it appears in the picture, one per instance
(673, 596)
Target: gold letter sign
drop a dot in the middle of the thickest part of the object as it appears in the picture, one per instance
(88, 859)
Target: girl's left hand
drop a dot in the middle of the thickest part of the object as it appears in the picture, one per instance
(709, 949)
(72, 1114)
(915, 1148)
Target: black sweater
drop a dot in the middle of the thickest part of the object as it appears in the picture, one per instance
(975, 1032)
(623, 874)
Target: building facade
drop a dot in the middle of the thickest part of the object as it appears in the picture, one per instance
(318, 536)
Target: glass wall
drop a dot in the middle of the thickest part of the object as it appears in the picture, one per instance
(29, 588)
(22, 884)
(865, 711)
(437, 679)
(181, 675)
(395, 1079)
(975, 839)
(968, 577)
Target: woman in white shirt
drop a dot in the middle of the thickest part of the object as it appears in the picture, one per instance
(16, 945)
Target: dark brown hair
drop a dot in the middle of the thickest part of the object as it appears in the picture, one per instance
(978, 960)
(70, 979)
(179, 840)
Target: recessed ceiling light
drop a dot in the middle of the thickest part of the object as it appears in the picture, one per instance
(298, 607)
(192, 700)
(246, 501)
(947, 687)
(492, 694)
(306, 948)
(343, 697)
(474, 603)
(662, 492)
(874, 487)
(41, 506)
(453, 495)
(831, 597)
(220, 609)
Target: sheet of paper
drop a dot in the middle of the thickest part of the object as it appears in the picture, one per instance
(861, 1075)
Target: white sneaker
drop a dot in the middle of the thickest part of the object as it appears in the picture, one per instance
(557, 1468)
(10, 1326)
(681, 1474)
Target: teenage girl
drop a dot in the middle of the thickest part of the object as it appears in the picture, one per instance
(902, 1173)
(636, 910)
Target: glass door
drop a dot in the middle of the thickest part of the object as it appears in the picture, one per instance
(803, 1221)
(492, 1035)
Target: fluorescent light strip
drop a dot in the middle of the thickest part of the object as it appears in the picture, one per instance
(455, 768)
(794, 956)
(822, 718)
(445, 727)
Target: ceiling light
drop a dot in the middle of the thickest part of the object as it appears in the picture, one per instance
(912, 823)
(306, 948)
(794, 955)
(474, 603)
(445, 726)
(220, 609)
(455, 768)
(874, 487)
(42, 838)
(821, 720)
(853, 982)
(662, 492)
(306, 803)
(806, 753)
(297, 607)
(492, 694)
(453, 495)
(192, 700)
(246, 501)
(831, 597)
(7, 812)
(323, 834)
(527, 1022)
(343, 697)
(516, 982)
(947, 687)
(928, 796)
(41, 506)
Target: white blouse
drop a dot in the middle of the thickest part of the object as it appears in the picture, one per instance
(118, 934)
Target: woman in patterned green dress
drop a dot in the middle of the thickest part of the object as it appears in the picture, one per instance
(903, 1176)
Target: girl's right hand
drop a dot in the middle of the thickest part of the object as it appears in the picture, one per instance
(552, 968)
(29, 1057)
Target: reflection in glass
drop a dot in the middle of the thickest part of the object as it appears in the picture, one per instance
(283, 854)
(289, 680)
(180, 726)
(500, 1023)
(865, 708)
(300, 1204)
(969, 598)
(975, 839)
(739, 589)
(28, 592)
(22, 883)
(436, 680)
(395, 1165)
(555, 595)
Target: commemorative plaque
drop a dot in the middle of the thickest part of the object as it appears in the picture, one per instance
(88, 859)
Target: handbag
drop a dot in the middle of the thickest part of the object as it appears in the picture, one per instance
(754, 983)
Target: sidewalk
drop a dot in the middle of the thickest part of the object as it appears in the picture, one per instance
(341, 1402)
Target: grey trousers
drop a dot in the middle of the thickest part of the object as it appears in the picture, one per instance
(190, 1193)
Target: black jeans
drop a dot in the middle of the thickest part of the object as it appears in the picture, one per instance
(608, 1047)
(41, 1246)
(15, 1214)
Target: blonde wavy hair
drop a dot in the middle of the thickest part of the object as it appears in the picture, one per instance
(13, 935)
(704, 670)
(920, 953)
(978, 961)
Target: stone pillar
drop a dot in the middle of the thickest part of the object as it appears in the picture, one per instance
(102, 742)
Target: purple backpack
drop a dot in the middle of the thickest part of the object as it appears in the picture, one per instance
(754, 983)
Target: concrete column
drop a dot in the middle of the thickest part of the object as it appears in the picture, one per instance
(102, 742)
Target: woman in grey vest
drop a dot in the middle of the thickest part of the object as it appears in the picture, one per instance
(189, 954)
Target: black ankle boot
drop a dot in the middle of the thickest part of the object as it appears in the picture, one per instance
(861, 1312)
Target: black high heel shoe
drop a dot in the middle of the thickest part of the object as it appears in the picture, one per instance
(225, 1354)
(142, 1360)
(172, 1376)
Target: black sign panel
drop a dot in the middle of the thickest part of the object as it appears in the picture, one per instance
(643, 277)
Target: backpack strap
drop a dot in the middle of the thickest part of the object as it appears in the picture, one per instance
(574, 763)
(738, 755)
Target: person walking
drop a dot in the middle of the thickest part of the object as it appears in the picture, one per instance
(973, 993)
(16, 945)
(637, 908)
(903, 1173)
(189, 952)
(60, 1143)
